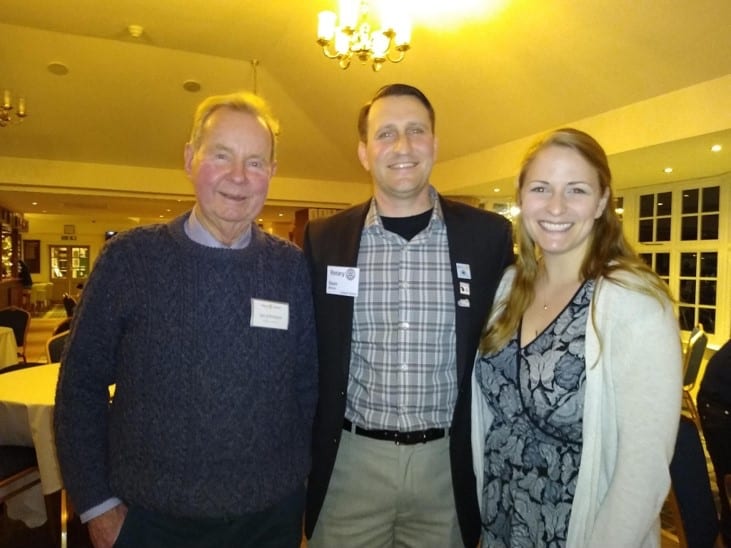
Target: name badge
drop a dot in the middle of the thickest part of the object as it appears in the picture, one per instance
(269, 314)
(342, 280)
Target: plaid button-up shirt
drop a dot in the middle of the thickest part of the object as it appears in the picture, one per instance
(403, 372)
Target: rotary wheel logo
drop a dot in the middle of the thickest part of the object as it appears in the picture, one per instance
(350, 274)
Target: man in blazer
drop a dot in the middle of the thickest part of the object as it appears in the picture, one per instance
(402, 286)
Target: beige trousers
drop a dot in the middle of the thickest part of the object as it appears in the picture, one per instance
(383, 495)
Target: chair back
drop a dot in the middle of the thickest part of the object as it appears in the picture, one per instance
(18, 320)
(63, 325)
(16, 462)
(69, 303)
(694, 356)
(55, 346)
(690, 494)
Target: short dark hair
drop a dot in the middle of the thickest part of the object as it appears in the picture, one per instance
(387, 91)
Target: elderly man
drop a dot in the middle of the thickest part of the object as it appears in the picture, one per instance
(205, 325)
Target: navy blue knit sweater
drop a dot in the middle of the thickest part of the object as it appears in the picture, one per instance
(211, 417)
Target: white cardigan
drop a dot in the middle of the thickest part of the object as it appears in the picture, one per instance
(631, 415)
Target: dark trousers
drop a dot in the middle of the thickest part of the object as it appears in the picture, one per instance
(716, 423)
(277, 527)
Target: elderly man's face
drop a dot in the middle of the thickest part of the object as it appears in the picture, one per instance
(230, 170)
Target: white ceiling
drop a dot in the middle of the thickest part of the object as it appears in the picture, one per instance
(496, 72)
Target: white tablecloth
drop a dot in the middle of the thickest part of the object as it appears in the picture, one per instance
(26, 418)
(8, 349)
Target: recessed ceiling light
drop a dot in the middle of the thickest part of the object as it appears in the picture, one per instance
(58, 69)
(191, 86)
(716, 148)
(34, 203)
(281, 214)
(261, 220)
(668, 170)
(496, 190)
(135, 31)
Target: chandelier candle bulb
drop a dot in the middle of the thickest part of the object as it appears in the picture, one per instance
(325, 26)
(349, 11)
(21, 106)
(6, 100)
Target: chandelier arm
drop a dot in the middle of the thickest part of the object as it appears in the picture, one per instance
(329, 52)
(402, 55)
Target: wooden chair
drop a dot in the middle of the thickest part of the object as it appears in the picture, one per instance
(19, 321)
(694, 351)
(690, 498)
(17, 463)
(55, 346)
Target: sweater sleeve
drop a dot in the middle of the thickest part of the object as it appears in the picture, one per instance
(307, 382)
(87, 370)
(642, 350)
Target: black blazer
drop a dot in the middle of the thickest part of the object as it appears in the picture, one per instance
(475, 237)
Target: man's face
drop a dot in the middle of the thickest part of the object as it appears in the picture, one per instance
(230, 171)
(401, 148)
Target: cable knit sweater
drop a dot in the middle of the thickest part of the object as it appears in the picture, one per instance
(211, 417)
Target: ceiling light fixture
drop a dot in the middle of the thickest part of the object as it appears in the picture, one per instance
(349, 35)
(10, 115)
(716, 148)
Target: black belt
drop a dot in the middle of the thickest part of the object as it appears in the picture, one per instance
(399, 438)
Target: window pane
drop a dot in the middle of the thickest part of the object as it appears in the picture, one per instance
(686, 317)
(647, 257)
(707, 293)
(646, 201)
(663, 230)
(709, 265)
(690, 201)
(689, 228)
(646, 230)
(707, 317)
(688, 264)
(664, 203)
(709, 227)
(710, 198)
(662, 264)
(686, 291)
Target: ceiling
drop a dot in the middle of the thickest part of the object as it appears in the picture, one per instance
(496, 72)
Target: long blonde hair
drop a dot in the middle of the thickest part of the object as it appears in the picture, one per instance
(608, 253)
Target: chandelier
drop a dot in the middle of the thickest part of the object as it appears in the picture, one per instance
(353, 37)
(7, 116)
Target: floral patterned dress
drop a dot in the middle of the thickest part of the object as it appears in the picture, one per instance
(533, 448)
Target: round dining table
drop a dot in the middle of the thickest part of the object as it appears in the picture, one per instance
(8, 348)
(26, 418)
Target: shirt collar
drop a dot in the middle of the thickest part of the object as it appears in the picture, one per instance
(373, 219)
(195, 230)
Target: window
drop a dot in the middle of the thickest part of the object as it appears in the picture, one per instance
(697, 290)
(699, 214)
(655, 220)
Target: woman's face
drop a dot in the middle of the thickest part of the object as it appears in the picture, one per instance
(560, 200)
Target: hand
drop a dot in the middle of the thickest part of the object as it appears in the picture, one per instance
(104, 529)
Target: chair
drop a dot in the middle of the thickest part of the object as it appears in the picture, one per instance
(69, 303)
(691, 366)
(16, 463)
(18, 320)
(691, 499)
(63, 325)
(55, 346)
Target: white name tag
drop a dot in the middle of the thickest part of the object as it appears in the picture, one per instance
(342, 280)
(269, 314)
